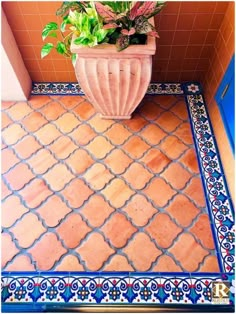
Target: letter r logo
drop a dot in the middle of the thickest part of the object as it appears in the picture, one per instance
(220, 289)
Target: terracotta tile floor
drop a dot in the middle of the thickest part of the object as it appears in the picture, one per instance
(81, 193)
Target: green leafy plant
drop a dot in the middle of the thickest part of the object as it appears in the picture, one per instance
(130, 20)
(83, 22)
(92, 23)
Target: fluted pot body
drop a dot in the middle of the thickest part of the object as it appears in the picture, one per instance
(115, 82)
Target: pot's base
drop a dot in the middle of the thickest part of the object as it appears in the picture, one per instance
(115, 117)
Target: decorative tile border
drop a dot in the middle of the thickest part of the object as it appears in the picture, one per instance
(75, 89)
(61, 289)
(218, 200)
(39, 291)
(56, 89)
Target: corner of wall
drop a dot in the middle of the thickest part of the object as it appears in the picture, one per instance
(16, 82)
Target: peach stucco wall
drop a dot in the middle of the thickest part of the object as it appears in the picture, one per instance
(16, 82)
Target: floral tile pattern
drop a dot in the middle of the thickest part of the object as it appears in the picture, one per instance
(59, 169)
(62, 289)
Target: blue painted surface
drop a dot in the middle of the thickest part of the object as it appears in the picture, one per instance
(226, 103)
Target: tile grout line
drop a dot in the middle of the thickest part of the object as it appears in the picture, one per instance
(105, 155)
(177, 280)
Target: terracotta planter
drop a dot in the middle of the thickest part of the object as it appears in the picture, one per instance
(115, 82)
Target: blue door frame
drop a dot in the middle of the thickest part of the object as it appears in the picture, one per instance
(225, 98)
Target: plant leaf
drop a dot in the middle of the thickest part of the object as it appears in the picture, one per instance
(152, 9)
(54, 34)
(134, 11)
(100, 34)
(75, 18)
(110, 25)
(67, 5)
(128, 32)
(105, 12)
(86, 41)
(61, 48)
(122, 42)
(158, 8)
(142, 26)
(154, 34)
(46, 50)
(146, 8)
(52, 26)
(64, 23)
(118, 6)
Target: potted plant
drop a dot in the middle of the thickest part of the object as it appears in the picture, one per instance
(111, 44)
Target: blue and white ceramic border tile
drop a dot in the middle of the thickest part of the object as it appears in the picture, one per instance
(76, 289)
(75, 89)
(216, 193)
(44, 291)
